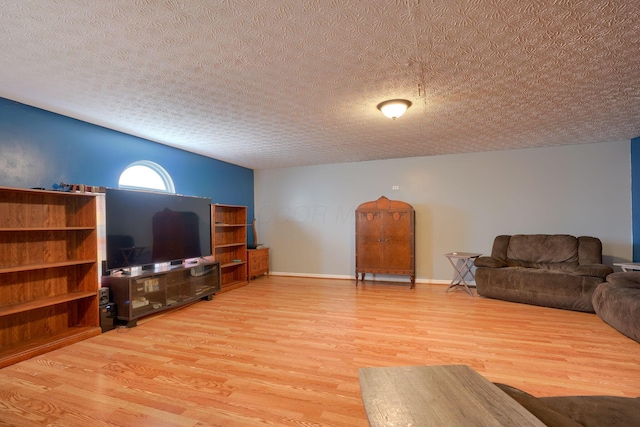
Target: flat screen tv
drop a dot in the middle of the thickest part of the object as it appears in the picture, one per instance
(145, 228)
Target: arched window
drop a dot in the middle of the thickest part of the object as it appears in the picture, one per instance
(146, 175)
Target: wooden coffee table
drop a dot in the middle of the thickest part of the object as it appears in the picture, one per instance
(451, 395)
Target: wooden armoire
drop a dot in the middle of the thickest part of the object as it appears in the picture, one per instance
(385, 239)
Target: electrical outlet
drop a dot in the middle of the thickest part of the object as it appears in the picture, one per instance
(395, 187)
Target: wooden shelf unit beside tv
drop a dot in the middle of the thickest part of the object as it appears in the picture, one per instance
(48, 271)
(229, 244)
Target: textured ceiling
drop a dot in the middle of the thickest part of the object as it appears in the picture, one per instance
(280, 83)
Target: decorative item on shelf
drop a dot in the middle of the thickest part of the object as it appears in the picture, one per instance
(255, 244)
(78, 188)
(394, 108)
(61, 187)
(139, 302)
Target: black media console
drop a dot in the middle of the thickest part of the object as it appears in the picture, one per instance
(151, 291)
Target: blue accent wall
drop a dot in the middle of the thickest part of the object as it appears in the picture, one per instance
(635, 197)
(39, 148)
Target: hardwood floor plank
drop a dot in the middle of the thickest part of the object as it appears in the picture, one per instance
(285, 351)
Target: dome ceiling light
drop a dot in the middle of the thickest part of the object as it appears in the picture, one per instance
(394, 108)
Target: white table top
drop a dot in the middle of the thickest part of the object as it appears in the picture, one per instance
(628, 265)
(462, 255)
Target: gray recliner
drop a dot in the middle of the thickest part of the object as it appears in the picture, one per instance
(557, 270)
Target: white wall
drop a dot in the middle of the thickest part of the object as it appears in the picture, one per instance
(462, 201)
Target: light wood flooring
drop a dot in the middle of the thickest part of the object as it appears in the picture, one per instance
(285, 351)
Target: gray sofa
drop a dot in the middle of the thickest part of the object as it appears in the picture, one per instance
(551, 270)
(617, 302)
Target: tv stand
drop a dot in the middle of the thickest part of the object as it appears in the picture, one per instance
(151, 291)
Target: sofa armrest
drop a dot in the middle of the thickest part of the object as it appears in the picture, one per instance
(538, 409)
(595, 270)
(487, 261)
(630, 279)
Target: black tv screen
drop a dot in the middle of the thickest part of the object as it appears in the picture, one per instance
(145, 228)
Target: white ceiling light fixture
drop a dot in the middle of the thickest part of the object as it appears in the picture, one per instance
(394, 108)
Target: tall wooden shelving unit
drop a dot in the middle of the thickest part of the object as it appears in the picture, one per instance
(48, 271)
(229, 244)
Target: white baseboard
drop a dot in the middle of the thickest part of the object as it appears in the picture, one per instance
(352, 277)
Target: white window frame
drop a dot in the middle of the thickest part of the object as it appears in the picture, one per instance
(153, 168)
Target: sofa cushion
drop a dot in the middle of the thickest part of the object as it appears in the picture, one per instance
(538, 249)
(594, 270)
(538, 286)
(500, 246)
(486, 261)
(589, 250)
(630, 279)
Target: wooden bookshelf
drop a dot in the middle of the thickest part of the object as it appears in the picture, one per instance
(48, 271)
(229, 244)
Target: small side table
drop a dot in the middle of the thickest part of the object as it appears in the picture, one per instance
(462, 266)
(257, 262)
(628, 266)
